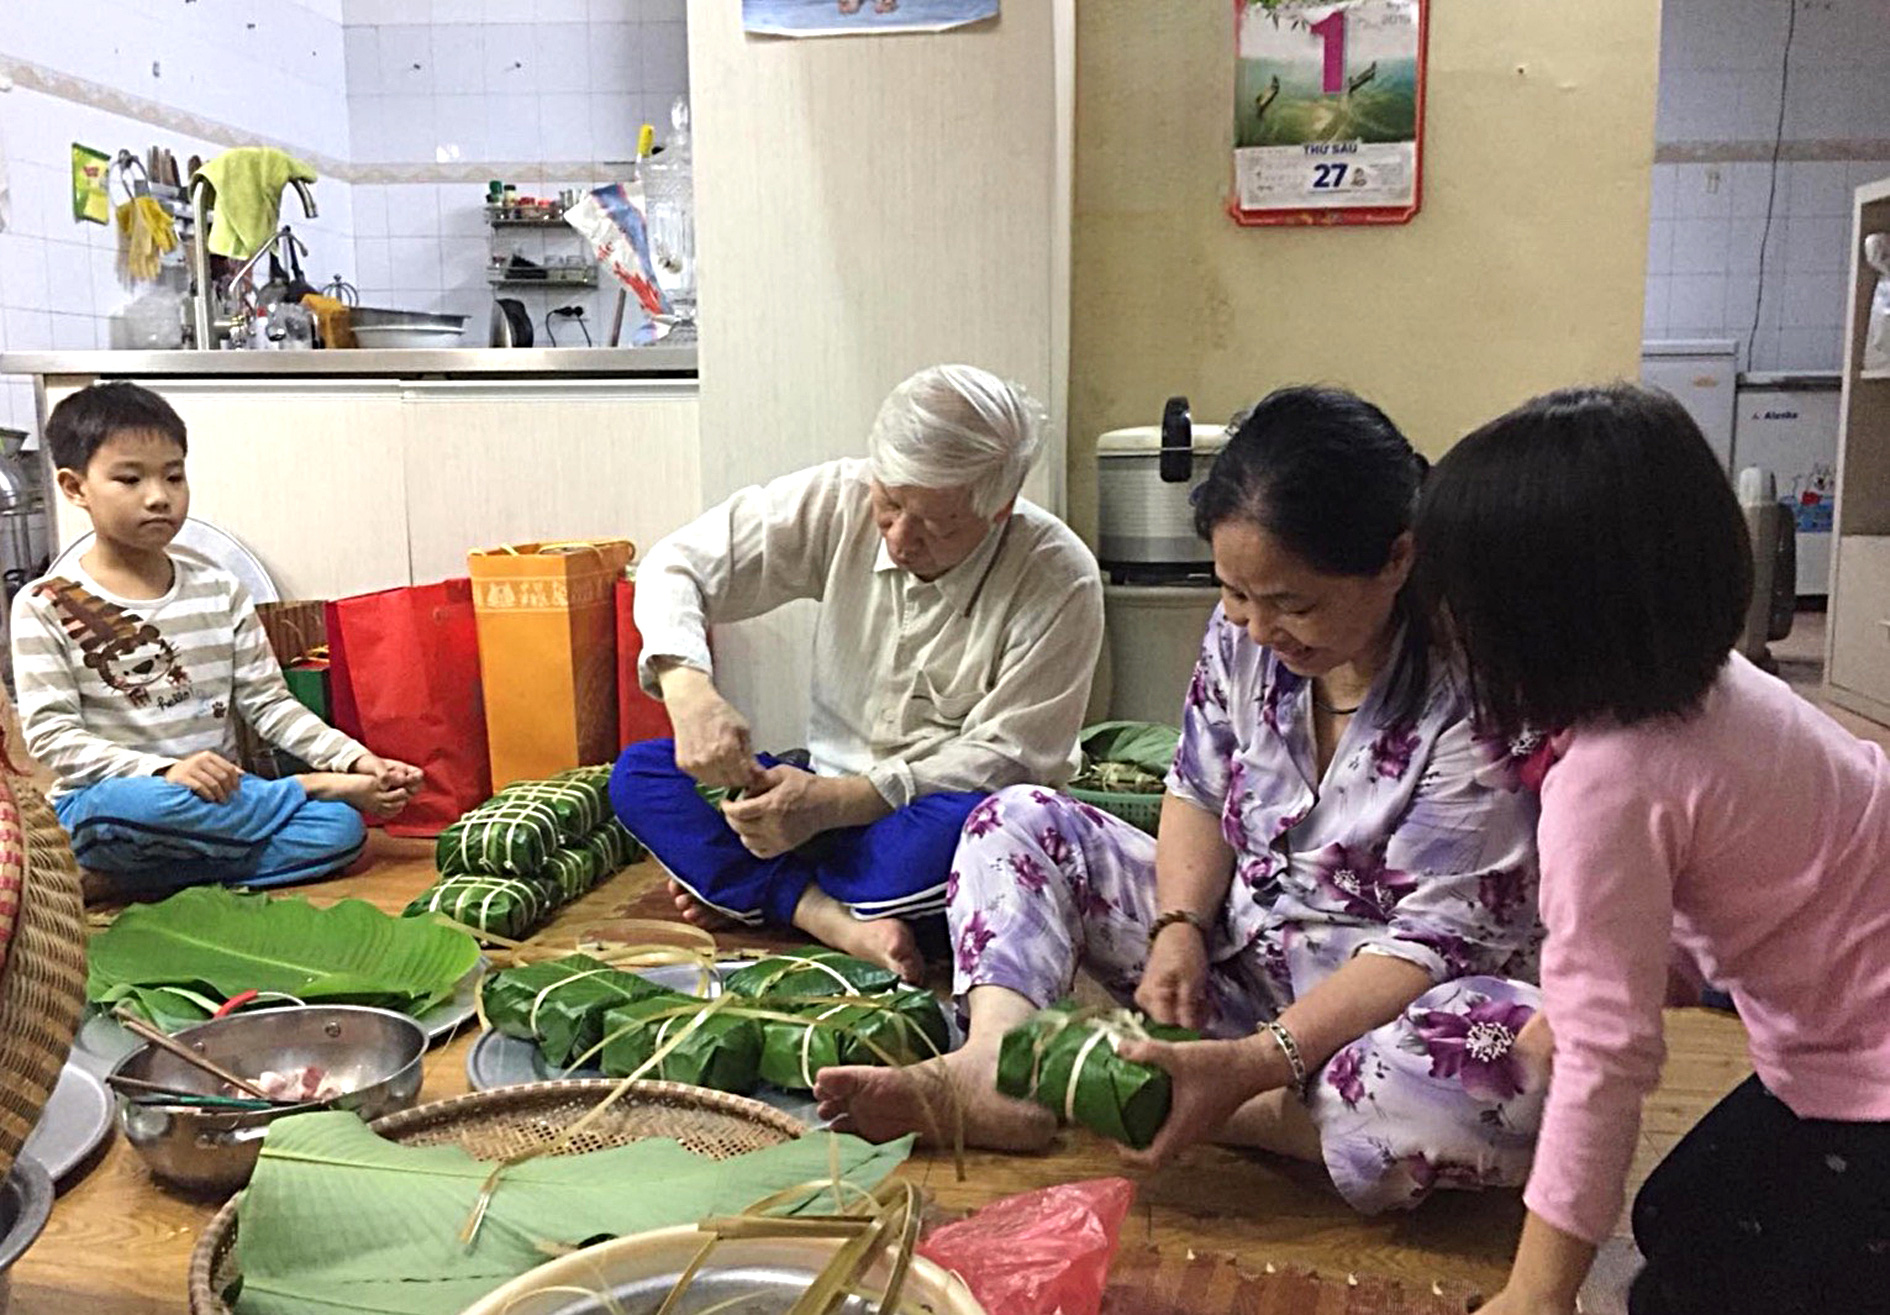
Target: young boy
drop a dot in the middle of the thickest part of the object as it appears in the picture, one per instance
(132, 669)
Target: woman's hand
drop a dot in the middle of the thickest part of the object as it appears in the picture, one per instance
(1212, 1079)
(1509, 1302)
(1174, 982)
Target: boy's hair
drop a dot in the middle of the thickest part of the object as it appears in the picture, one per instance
(81, 425)
(1589, 557)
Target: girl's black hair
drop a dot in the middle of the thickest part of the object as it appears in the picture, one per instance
(1589, 557)
(1329, 476)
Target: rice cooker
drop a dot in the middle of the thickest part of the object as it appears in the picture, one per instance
(1146, 477)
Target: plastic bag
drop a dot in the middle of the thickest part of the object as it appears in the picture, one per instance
(1877, 327)
(1041, 1253)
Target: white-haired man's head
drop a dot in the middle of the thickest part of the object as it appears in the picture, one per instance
(949, 451)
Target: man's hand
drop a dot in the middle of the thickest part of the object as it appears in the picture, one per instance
(712, 738)
(208, 775)
(1212, 1079)
(784, 809)
(1174, 983)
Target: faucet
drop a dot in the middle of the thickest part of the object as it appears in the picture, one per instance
(203, 298)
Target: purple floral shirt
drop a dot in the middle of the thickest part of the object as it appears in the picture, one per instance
(1419, 842)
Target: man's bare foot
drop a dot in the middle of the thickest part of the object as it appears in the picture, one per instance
(880, 1104)
(885, 6)
(849, 6)
(694, 912)
(887, 942)
(364, 794)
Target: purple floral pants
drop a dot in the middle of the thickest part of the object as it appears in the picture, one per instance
(1437, 1098)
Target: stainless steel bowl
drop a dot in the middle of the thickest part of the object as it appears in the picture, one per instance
(382, 317)
(26, 1202)
(374, 1054)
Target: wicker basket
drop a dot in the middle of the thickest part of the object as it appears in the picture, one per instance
(491, 1125)
(1143, 810)
(42, 986)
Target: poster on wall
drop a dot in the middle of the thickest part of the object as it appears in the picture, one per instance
(1328, 111)
(858, 18)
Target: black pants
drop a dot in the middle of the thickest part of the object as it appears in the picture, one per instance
(1757, 1210)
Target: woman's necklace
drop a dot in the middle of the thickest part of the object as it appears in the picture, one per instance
(1331, 711)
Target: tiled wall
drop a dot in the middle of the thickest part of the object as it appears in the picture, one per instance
(194, 76)
(444, 94)
(1713, 178)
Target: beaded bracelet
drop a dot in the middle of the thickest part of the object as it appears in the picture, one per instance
(1290, 1048)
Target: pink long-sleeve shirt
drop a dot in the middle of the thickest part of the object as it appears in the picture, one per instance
(1753, 836)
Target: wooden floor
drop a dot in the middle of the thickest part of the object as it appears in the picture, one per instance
(118, 1243)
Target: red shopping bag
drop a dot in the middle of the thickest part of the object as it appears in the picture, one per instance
(404, 679)
(639, 717)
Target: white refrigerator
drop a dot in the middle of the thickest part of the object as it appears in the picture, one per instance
(1702, 374)
(1788, 424)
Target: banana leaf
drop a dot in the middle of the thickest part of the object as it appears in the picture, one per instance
(215, 942)
(614, 847)
(723, 1052)
(1148, 747)
(515, 836)
(559, 1004)
(512, 907)
(571, 872)
(338, 1220)
(907, 1025)
(1059, 1060)
(578, 800)
(810, 972)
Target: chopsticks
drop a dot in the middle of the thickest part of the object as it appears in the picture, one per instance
(170, 1045)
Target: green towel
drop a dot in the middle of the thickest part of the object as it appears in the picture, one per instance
(249, 182)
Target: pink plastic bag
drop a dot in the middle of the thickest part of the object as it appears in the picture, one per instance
(1041, 1253)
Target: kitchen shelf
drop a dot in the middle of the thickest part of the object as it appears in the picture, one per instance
(543, 283)
(527, 223)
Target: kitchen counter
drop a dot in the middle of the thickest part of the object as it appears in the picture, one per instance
(363, 363)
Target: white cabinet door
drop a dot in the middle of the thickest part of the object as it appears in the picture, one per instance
(487, 463)
(306, 473)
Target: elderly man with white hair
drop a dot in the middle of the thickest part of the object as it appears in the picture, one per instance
(958, 629)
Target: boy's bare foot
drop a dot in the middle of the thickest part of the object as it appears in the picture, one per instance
(364, 794)
(849, 6)
(879, 1104)
(694, 912)
(885, 6)
(887, 942)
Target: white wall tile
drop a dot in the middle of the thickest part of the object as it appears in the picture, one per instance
(370, 210)
(1817, 245)
(463, 262)
(459, 59)
(458, 12)
(373, 263)
(1813, 300)
(564, 125)
(1697, 299)
(1660, 247)
(362, 55)
(463, 210)
(615, 119)
(74, 333)
(68, 278)
(1654, 308)
(665, 57)
(23, 272)
(1810, 349)
(413, 210)
(406, 55)
(510, 66)
(561, 56)
(1867, 171)
(512, 127)
(615, 64)
(460, 126)
(415, 261)
(1702, 191)
(407, 122)
(28, 330)
(1751, 183)
(1820, 188)
(611, 11)
(367, 129)
(662, 11)
(559, 11)
(1664, 182)
(1700, 246)
(1742, 301)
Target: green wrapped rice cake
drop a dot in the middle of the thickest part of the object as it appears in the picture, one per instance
(559, 1004)
(723, 1052)
(613, 846)
(572, 872)
(511, 907)
(812, 972)
(579, 801)
(513, 835)
(1064, 1058)
(907, 1025)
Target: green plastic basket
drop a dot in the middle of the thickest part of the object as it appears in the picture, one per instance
(1140, 810)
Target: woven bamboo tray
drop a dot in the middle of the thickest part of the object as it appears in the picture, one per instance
(42, 987)
(491, 1125)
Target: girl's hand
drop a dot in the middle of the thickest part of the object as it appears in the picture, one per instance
(1212, 1079)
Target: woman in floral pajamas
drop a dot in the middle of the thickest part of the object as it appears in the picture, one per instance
(1345, 883)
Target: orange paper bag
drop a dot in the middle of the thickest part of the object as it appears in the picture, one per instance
(548, 654)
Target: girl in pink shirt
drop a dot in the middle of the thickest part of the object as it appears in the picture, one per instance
(1588, 556)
